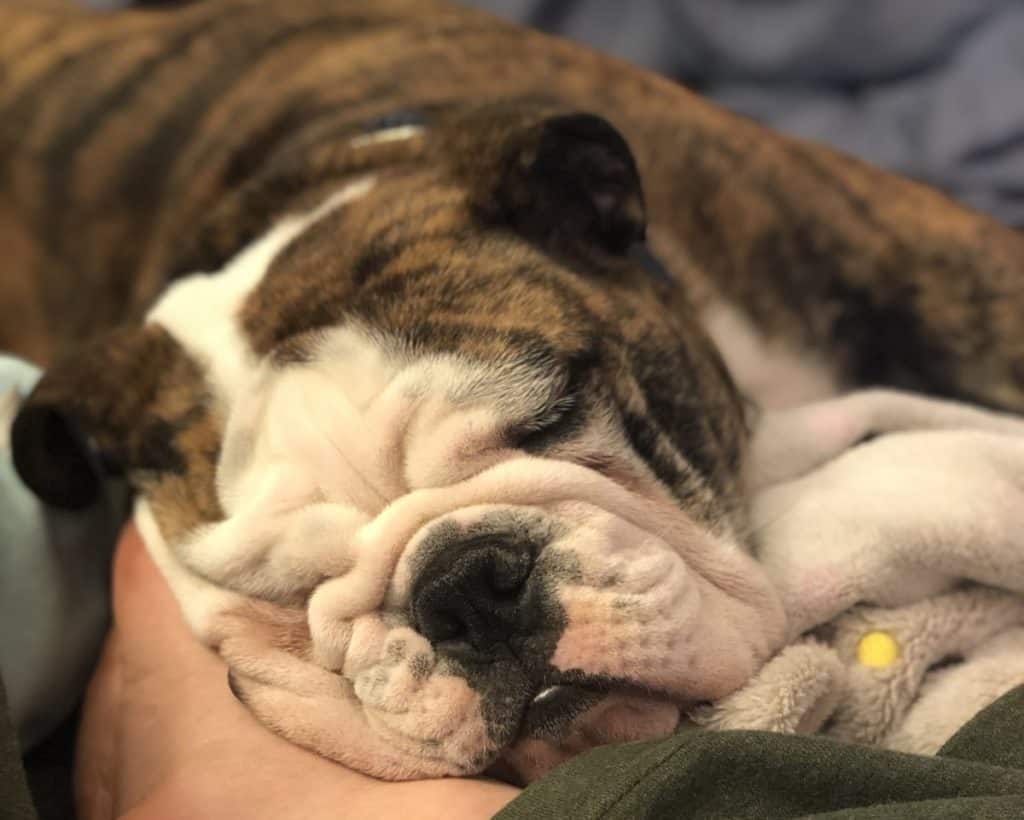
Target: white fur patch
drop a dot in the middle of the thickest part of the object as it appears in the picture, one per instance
(195, 309)
(314, 452)
(773, 374)
(200, 601)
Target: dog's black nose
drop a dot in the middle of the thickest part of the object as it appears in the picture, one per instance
(473, 597)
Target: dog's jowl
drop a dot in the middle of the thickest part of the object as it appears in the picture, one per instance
(360, 300)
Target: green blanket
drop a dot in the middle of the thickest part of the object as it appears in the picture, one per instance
(977, 775)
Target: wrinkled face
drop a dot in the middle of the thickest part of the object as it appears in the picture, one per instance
(475, 494)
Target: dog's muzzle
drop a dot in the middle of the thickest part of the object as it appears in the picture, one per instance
(522, 615)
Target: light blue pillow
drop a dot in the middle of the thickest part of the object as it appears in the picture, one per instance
(54, 570)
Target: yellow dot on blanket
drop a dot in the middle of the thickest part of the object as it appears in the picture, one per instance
(878, 650)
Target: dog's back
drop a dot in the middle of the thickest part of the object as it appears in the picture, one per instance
(125, 136)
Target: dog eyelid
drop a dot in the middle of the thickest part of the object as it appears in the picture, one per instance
(528, 432)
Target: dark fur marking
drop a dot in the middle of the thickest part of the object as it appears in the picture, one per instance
(60, 153)
(377, 255)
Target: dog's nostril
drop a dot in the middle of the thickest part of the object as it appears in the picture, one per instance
(508, 572)
(440, 625)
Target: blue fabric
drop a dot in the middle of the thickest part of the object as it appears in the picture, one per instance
(54, 567)
(933, 89)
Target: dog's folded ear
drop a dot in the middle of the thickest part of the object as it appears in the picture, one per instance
(113, 407)
(54, 458)
(556, 177)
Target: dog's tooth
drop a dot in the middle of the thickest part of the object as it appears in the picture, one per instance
(547, 694)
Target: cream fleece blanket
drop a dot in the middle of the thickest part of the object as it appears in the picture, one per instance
(900, 563)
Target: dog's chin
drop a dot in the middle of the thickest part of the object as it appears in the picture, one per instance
(596, 720)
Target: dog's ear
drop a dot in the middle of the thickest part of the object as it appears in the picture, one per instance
(114, 407)
(560, 178)
(53, 457)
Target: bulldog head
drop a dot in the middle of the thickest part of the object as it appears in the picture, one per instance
(444, 473)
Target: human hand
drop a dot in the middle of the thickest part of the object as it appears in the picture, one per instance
(162, 736)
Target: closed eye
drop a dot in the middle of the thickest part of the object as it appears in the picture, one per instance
(556, 422)
(564, 415)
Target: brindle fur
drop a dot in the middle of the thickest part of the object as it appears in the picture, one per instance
(141, 146)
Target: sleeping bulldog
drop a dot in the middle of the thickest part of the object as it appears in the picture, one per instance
(430, 346)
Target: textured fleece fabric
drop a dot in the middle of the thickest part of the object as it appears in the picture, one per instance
(898, 563)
